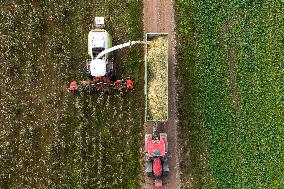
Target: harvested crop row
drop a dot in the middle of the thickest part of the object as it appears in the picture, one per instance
(50, 139)
(157, 79)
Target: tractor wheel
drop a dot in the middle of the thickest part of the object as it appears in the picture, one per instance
(150, 174)
(148, 158)
(167, 146)
(164, 158)
(165, 173)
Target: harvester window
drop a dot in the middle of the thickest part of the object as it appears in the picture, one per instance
(97, 50)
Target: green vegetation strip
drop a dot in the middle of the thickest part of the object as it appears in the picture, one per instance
(231, 94)
(48, 138)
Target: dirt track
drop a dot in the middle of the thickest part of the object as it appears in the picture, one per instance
(159, 17)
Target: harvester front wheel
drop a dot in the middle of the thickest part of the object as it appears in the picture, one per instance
(86, 67)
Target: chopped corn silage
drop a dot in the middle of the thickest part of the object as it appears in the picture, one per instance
(157, 79)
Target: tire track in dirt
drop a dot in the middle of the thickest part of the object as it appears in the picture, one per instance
(159, 17)
(233, 80)
(232, 65)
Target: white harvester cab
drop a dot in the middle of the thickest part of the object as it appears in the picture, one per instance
(98, 41)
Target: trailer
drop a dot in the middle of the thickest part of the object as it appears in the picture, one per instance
(156, 105)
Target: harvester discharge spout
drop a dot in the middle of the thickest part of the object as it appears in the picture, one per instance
(128, 44)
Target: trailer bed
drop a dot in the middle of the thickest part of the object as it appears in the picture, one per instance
(156, 77)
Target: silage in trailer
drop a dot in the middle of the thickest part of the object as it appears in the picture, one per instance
(156, 77)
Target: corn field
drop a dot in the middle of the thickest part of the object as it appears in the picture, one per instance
(231, 93)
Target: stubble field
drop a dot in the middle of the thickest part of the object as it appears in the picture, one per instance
(49, 138)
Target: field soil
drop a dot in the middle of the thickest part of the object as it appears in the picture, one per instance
(159, 18)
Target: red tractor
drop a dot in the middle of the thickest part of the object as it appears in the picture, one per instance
(156, 148)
